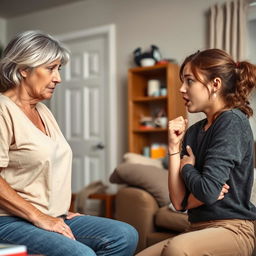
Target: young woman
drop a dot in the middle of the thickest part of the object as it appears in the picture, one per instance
(35, 161)
(211, 163)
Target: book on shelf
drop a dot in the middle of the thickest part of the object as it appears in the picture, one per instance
(13, 250)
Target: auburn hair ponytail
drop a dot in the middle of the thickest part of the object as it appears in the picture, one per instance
(245, 82)
(238, 78)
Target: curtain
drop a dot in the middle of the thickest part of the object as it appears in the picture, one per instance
(228, 27)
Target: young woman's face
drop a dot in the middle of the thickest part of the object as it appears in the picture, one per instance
(195, 94)
(41, 81)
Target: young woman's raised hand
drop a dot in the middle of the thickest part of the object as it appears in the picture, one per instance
(176, 130)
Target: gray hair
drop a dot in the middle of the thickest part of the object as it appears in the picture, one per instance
(29, 49)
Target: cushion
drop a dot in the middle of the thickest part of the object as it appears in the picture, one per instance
(168, 219)
(140, 159)
(153, 179)
(159, 236)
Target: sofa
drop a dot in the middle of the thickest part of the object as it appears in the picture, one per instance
(153, 223)
(143, 201)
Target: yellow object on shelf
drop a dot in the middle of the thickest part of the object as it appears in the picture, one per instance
(158, 151)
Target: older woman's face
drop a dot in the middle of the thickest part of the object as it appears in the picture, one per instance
(41, 81)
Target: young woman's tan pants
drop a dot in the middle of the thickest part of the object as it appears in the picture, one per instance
(212, 238)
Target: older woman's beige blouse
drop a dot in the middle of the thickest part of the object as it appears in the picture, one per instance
(37, 166)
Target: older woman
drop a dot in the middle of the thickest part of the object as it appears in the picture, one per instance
(35, 161)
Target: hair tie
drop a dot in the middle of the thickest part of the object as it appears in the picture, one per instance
(237, 64)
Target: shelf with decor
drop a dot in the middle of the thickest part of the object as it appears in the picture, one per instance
(147, 98)
(153, 99)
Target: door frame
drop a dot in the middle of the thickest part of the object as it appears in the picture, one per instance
(109, 32)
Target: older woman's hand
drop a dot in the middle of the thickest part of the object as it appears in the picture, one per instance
(53, 224)
(71, 215)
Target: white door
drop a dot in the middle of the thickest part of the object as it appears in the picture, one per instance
(80, 107)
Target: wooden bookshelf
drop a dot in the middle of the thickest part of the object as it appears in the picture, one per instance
(139, 104)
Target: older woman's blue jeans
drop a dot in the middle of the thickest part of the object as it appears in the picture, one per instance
(94, 236)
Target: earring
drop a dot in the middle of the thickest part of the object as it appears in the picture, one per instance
(214, 95)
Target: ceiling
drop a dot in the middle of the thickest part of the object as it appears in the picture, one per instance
(14, 8)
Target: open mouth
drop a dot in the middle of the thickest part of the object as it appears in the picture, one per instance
(187, 101)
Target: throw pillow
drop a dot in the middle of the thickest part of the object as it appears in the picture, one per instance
(173, 220)
(150, 178)
(140, 159)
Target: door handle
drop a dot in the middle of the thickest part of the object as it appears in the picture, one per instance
(100, 146)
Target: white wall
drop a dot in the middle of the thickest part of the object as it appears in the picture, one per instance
(252, 40)
(178, 27)
(2, 32)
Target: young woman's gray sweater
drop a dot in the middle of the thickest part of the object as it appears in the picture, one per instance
(224, 154)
